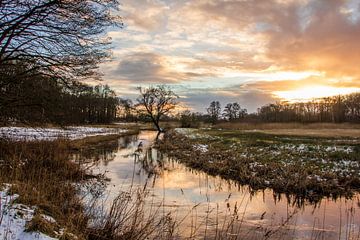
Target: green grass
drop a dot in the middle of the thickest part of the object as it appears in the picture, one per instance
(307, 167)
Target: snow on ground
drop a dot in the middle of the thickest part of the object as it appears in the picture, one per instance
(185, 131)
(125, 123)
(193, 134)
(27, 133)
(201, 147)
(13, 218)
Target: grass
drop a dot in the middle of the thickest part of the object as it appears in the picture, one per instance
(293, 125)
(43, 174)
(99, 140)
(39, 224)
(307, 167)
(129, 218)
(297, 129)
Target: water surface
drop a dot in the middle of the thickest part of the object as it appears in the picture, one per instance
(204, 203)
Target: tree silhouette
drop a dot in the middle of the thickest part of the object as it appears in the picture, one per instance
(233, 111)
(61, 38)
(214, 111)
(156, 102)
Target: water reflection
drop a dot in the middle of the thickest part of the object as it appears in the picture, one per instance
(202, 203)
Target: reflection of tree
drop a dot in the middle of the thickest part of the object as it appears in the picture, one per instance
(152, 162)
(103, 152)
(124, 142)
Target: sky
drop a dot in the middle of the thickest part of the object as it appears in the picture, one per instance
(253, 52)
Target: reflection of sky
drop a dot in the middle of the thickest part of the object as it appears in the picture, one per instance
(181, 189)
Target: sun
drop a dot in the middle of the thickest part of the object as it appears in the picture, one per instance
(313, 92)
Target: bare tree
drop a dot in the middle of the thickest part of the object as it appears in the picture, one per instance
(233, 111)
(62, 38)
(156, 102)
(214, 111)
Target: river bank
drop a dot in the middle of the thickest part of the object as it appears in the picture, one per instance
(307, 167)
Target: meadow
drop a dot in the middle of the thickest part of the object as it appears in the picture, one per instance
(307, 161)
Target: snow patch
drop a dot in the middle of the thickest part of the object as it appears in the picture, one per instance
(193, 134)
(13, 218)
(31, 134)
(201, 147)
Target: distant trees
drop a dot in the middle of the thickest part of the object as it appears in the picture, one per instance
(233, 112)
(156, 102)
(126, 110)
(214, 111)
(335, 109)
(190, 119)
(42, 99)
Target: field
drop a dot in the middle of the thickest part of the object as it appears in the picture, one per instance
(305, 162)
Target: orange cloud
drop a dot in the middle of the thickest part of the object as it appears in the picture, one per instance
(212, 43)
(286, 85)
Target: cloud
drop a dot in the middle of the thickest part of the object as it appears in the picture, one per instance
(150, 68)
(230, 60)
(145, 15)
(328, 42)
(251, 99)
(286, 85)
(300, 35)
(212, 43)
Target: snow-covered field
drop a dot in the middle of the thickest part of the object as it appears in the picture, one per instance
(13, 219)
(27, 133)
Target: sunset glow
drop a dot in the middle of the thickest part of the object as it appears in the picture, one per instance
(313, 92)
(251, 52)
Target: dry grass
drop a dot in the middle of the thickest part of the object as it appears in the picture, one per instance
(96, 141)
(130, 218)
(264, 126)
(297, 129)
(326, 133)
(42, 174)
(39, 224)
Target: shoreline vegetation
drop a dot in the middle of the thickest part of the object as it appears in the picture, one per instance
(307, 168)
(41, 176)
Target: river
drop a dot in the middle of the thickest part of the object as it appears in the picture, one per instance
(204, 205)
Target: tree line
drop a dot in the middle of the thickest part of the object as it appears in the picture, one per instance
(47, 47)
(336, 109)
(43, 99)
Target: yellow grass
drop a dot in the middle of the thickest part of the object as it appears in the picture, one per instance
(336, 133)
(297, 129)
